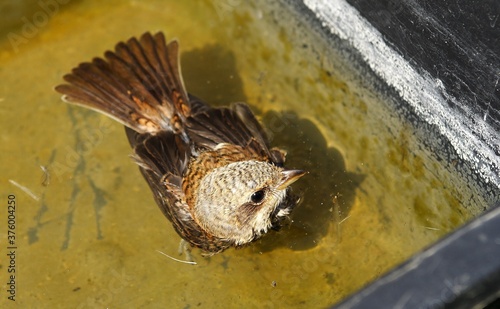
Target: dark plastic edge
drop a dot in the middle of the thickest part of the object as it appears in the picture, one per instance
(460, 271)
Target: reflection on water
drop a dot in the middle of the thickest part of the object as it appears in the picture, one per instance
(372, 197)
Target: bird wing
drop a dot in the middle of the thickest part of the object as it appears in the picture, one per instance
(162, 159)
(235, 125)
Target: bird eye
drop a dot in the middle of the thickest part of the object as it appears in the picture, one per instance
(258, 196)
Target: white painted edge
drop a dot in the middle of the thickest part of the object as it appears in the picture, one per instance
(423, 93)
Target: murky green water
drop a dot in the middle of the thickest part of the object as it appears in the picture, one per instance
(88, 232)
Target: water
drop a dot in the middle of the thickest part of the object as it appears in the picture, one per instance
(88, 231)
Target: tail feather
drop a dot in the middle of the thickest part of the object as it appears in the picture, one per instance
(129, 61)
(139, 84)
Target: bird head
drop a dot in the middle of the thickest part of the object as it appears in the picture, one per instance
(239, 201)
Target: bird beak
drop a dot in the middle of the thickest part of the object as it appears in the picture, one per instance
(289, 177)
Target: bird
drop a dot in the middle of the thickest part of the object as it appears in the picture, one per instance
(211, 170)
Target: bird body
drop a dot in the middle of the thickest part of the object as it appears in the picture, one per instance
(211, 170)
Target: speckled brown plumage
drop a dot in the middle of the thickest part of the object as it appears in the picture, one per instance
(211, 170)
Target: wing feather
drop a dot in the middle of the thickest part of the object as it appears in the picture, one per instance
(235, 125)
(162, 159)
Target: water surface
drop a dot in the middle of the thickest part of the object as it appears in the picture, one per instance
(89, 231)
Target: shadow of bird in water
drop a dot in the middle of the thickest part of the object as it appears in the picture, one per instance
(328, 190)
